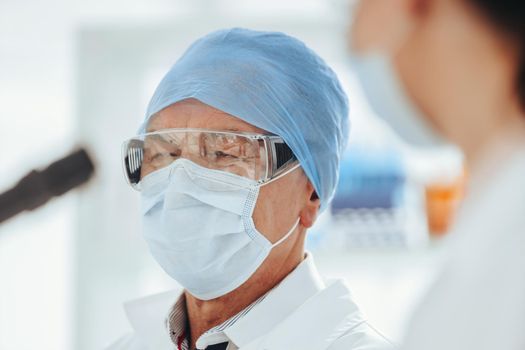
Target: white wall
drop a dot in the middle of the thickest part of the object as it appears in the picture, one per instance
(36, 127)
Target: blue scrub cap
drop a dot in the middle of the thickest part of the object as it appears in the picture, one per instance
(274, 82)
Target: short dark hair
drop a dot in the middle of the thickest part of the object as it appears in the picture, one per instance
(509, 16)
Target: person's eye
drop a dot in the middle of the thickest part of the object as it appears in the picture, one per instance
(221, 154)
(175, 153)
(164, 155)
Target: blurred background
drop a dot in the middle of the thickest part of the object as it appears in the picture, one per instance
(81, 73)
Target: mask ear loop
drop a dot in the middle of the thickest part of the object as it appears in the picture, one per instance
(288, 234)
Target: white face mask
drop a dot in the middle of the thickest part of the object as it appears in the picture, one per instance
(199, 228)
(388, 99)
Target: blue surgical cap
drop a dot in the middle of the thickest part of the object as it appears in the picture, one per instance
(274, 82)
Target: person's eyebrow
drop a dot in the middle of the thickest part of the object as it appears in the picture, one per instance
(232, 129)
(243, 129)
(153, 129)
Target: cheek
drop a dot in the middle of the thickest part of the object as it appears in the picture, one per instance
(276, 209)
(365, 32)
(449, 93)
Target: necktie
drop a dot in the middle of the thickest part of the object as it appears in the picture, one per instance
(221, 346)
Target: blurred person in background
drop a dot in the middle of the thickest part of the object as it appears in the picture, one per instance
(454, 71)
(239, 152)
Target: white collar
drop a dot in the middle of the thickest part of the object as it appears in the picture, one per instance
(294, 290)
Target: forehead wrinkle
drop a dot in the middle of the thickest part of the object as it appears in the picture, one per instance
(198, 115)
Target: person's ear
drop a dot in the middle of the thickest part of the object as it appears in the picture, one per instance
(309, 212)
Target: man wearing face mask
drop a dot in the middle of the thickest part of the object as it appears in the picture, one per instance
(454, 71)
(238, 153)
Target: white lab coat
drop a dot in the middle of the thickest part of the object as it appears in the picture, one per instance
(478, 301)
(301, 313)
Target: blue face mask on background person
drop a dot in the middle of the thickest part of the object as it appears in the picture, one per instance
(388, 99)
(198, 225)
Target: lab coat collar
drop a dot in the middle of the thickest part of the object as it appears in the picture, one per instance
(292, 311)
(300, 285)
(320, 321)
(288, 317)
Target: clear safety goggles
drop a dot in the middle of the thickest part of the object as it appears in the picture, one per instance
(255, 156)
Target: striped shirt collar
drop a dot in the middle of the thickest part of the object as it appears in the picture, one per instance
(177, 323)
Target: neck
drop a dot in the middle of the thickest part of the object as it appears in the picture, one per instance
(206, 314)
